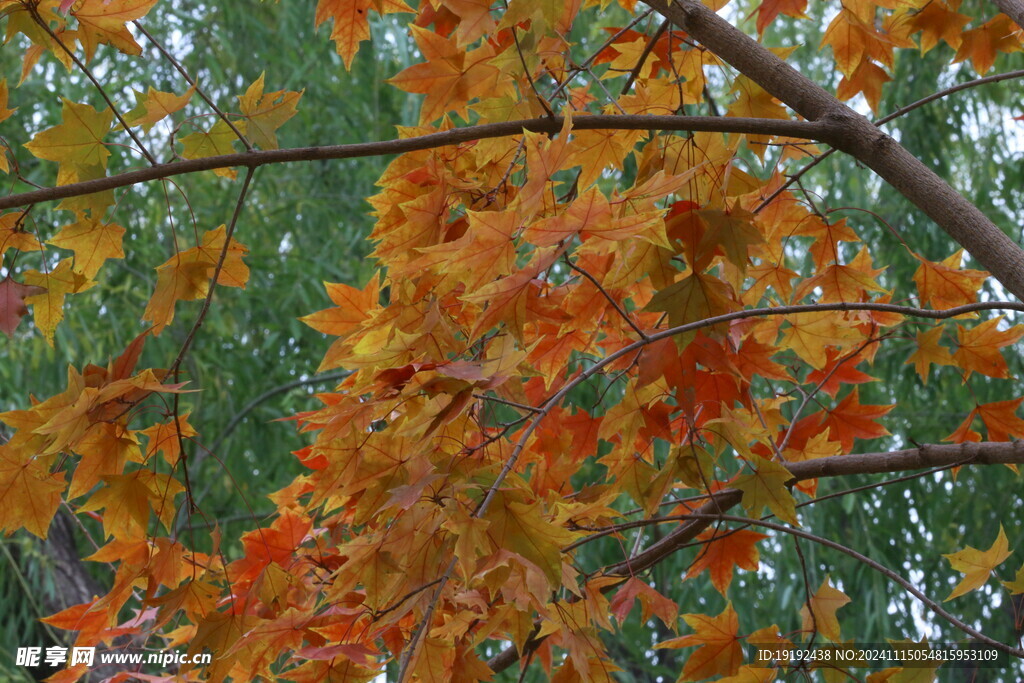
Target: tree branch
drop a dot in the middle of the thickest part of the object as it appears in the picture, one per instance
(809, 130)
(855, 135)
(924, 457)
(1013, 9)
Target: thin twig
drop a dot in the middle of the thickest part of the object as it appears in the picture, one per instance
(188, 79)
(88, 74)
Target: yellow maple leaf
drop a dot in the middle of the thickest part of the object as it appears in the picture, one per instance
(186, 276)
(104, 21)
(156, 105)
(821, 617)
(977, 565)
(48, 307)
(767, 486)
(93, 243)
(78, 139)
(267, 112)
(218, 140)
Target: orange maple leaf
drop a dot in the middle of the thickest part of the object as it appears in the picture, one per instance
(851, 419)
(945, 284)
(979, 348)
(719, 652)
(723, 551)
(449, 76)
(651, 601)
(768, 10)
(29, 493)
(981, 44)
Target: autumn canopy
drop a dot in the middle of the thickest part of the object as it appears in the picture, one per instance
(609, 310)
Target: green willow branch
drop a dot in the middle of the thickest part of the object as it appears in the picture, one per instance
(822, 131)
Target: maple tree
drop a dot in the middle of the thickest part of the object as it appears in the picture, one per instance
(605, 312)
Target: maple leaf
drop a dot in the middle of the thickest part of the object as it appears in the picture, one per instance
(722, 552)
(767, 487)
(695, 297)
(981, 44)
(1016, 587)
(809, 334)
(93, 243)
(166, 438)
(854, 40)
(155, 105)
(29, 494)
(48, 305)
(768, 10)
(127, 499)
(719, 652)
(14, 236)
(651, 601)
(929, 352)
(105, 449)
(938, 21)
(867, 78)
(352, 21)
(104, 21)
(819, 612)
(977, 565)
(78, 140)
(964, 433)
(12, 303)
(187, 274)
(352, 307)
(979, 348)
(945, 284)
(449, 76)
(267, 112)
(852, 419)
(522, 528)
(827, 238)
(1001, 419)
(851, 282)
(220, 139)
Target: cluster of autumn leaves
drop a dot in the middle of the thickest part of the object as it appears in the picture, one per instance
(447, 487)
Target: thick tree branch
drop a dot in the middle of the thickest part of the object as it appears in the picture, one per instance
(810, 130)
(924, 457)
(1013, 9)
(855, 135)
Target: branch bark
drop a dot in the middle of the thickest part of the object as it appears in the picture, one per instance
(924, 457)
(810, 130)
(1013, 9)
(858, 137)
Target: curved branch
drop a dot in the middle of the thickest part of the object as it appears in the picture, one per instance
(924, 457)
(857, 136)
(878, 567)
(809, 130)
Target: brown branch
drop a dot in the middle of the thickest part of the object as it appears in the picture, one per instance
(802, 129)
(1013, 9)
(857, 136)
(923, 457)
(889, 117)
